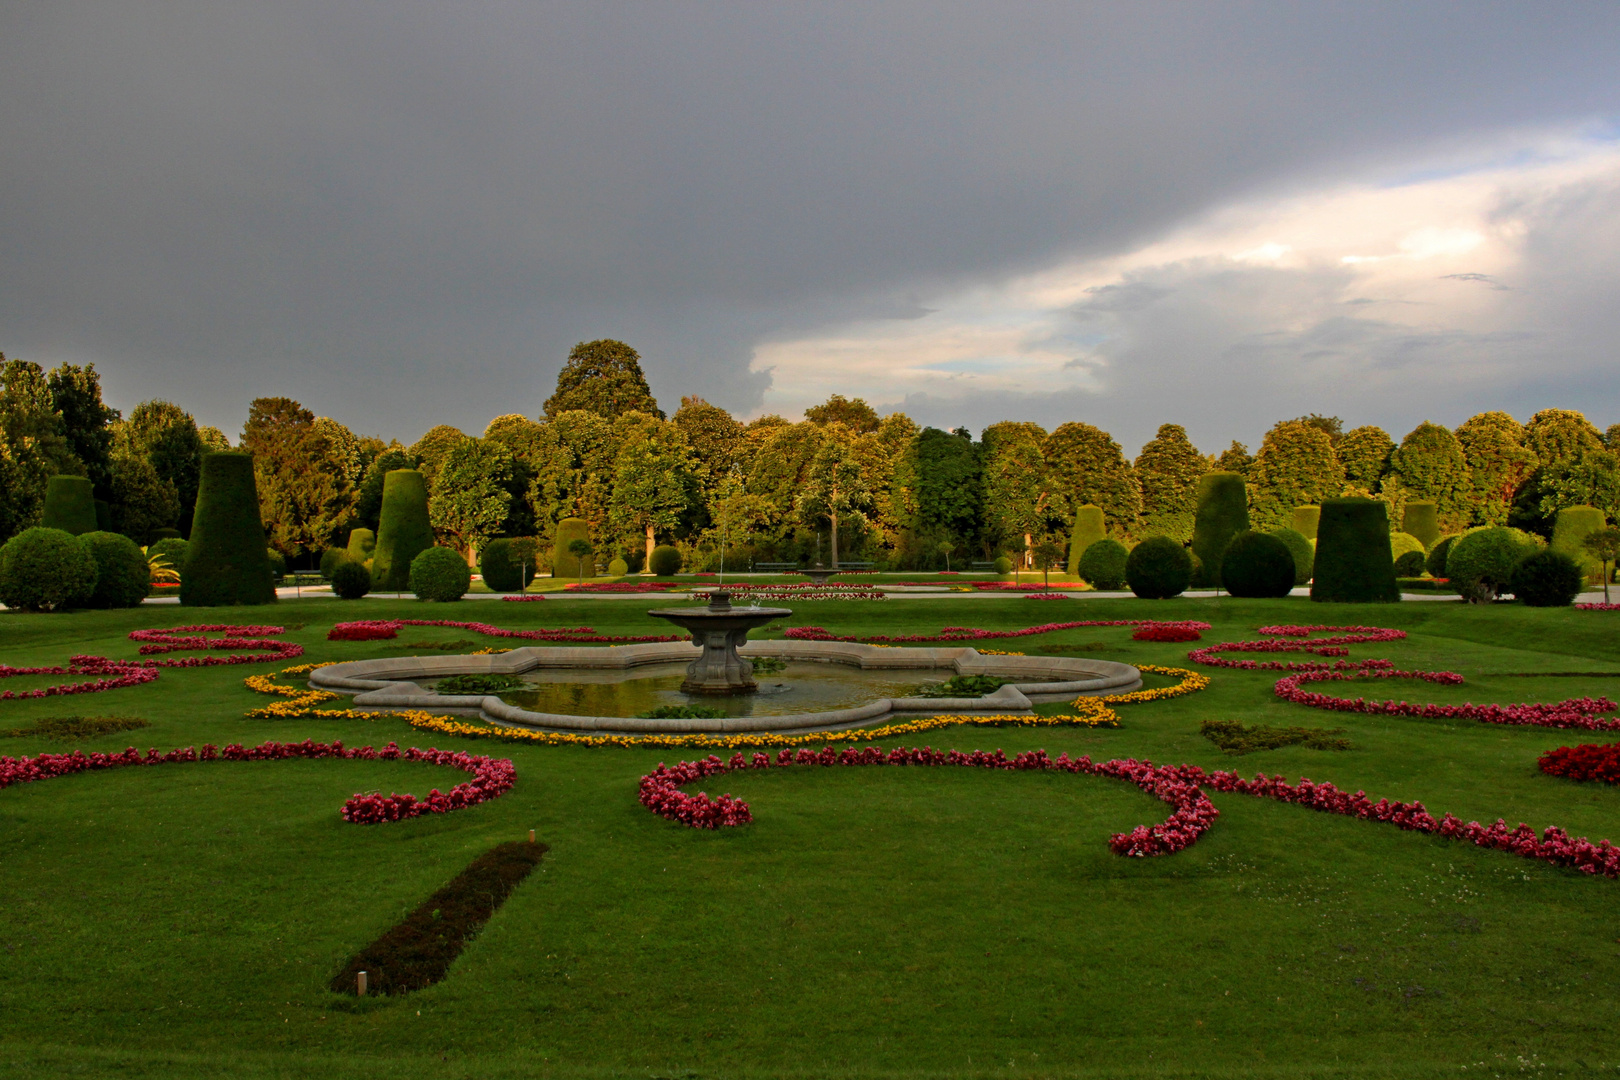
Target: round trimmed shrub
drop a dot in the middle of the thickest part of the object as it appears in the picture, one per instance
(331, 559)
(278, 563)
(1435, 563)
(618, 567)
(1547, 579)
(565, 563)
(1354, 564)
(1302, 551)
(1257, 565)
(123, 576)
(351, 580)
(45, 570)
(1003, 564)
(1402, 542)
(1102, 566)
(1223, 512)
(403, 531)
(1088, 529)
(1481, 563)
(171, 550)
(1306, 520)
(665, 561)
(440, 574)
(503, 571)
(70, 505)
(227, 559)
(1410, 564)
(1570, 530)
(1158, 568)
(1422, 520)
(362, 542)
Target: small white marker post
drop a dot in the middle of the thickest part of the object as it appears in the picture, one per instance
(360, 984)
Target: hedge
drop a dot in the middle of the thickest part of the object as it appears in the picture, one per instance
(1102, 565)
(45, 569)
(227, 559)
(1306, 520)
(362, 542)
(503, 571)
(331, 559)
(403, 531)
(665, 561)
(104, 516)
(1422, 520)
(351, 580)
(165, 533)
(1223, 512)
(1547, 579)
(565, 563)
(1570, 530)
(1435, 564)
(70, 505)
(1300, 548)
(1257, 565)
(1481, 562)
(123, 576)
(1354, 564)
(1410, 564)
(1088, 529)
(440, 574)
(1158, 568)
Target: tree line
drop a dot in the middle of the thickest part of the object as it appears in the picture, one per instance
(841, 483)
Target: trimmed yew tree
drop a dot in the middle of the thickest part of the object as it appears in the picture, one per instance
(1088, 529)
(123, 576)
(1422, 520)
(564, 563)
(403, 530)
(1300, 548)
(1354, 563)
(1306, 519)
(1570, 530)
(1257, 565)
(70, 505)
(227, 559)
(1223, 512)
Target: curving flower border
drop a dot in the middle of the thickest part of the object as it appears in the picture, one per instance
(492, 777)
(114, 674)
(968, 633)
(380, 629)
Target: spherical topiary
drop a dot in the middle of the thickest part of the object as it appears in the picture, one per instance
(1354, 563)
(440, 574)
(351, 580)
(1570, 530)
(565, 563)
(665, 561)
(1547, 579)
(1302, 551)
(1481, 563)
(70, 505)
(1422, 520)
(362, 542)
(1158, 568)
(123, 576)
(227, 560)
(1402, 542)
(165, 534)
(1102, 565)
(501, 568)
(45, 570)
(1410, 564)
(1257, 565)
(1003, 564)
(331, 559)
(618, 567)
(1088, 529)
(171, 550)
(1306, 519)
(278, 563)
(1435, 563)
(1223, 512)
(403, 530)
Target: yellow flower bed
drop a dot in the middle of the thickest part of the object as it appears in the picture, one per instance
(1094, 712)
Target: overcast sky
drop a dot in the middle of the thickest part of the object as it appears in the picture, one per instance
(1219, 215)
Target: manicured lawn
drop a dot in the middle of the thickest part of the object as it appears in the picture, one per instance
(183, 921)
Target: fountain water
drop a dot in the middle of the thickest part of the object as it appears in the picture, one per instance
(718, 629)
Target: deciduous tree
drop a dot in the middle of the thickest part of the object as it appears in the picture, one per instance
(1365, 452)
(1168, 469)
(1296, 466)
(1086, 465)
(1499, 464)
(649, 493)
(303, 496)
(468, 499)
(603, 377)
(1431, 465)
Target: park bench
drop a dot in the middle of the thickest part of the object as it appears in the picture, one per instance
(987, 566)
(775, 567)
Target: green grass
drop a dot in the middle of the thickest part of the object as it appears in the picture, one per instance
(183, 921)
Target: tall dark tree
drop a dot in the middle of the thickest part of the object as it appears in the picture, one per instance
(603, 377)
(368, 499)
(856, 415)
(304, 498)
(33, 447)
(86, 421)
(167, 437)
(939, 485)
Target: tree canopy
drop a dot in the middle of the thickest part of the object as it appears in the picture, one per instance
(603, 377)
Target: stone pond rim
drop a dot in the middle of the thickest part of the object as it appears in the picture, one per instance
(718, 629)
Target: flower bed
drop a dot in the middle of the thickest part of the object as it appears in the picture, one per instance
(1008, 586)
(1588, 761)
(379, 629)
(492, 777)
(527, 598)
(620, 587)
(968, 633)
(1045, 596)
(1167, 632)
(1597, 607)
(1292, 643)
(800, 592)
(113, 674)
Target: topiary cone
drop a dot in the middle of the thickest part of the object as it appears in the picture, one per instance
(1223, 512)
(227, 560)
(564, 563)
(1422, 520)
(1354, 563)
(1088, 529)
(70, 505)
(1305, 520)
(403, 530)
(1570, 530)
(362, 542)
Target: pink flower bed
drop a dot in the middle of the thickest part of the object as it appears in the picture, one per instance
(621, 587)
(492, 777)
(1597, 607)
(1328, 646)
(1008, 586)
(111, 675)
(1585, 762)
(1193, 813)
(376, 629)
(527, 599)
(968, 633)
(1045, 596)
(1167, 632)
(114, 674)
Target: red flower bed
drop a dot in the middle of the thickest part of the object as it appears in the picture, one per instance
(1588, 761)
(374, 629)
(1192, 817)
(492, 777)
(364, 630)
(1008, 586)
(621, 587)
(1045, 596)
(968, 633)
(1167, 632)
(1597, 607)
(522, 599)
(113, 674)
(1328, 646)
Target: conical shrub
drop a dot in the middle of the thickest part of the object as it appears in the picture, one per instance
(1306, 519)
(1088, 529)
(227, 559)
(1223, 512)
(403, 530)
(1422, 520)
(70, 505)
(564, 563)
(362, 542)
(1353, 559)
(1570, 530)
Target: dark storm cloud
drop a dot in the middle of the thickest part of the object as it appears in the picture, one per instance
(405, 213)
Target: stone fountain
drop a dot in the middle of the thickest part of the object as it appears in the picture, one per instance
(718, 629)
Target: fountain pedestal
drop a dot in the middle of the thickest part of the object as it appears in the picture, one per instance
(818, 574)
(718, 629)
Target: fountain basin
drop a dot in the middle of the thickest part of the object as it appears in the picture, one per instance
(719, 630)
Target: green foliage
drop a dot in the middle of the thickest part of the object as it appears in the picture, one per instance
(1306, 519)
(564, 562)
(503, 570)
(70, 505)
(75, 727)
(1365, 453)
(1570, 530)
(477, 684)
(1422, 521)
(351, 580)
(835, 486)
(403, 530)
(1083, 464)
(963, 686)
(1088, 529)
(86, 420)
(362, 543)
(368, 497)
(1235, 458)
(227, 560)
(1236, 737)
(1296, 466)
(1003, 564)
(1158, 568)
(305, 495)
(939, 484)
(1480, 563)
(618, 567)
(33, 444)
(683, 712)
(1431, 465)
(1223, 512)
(1556, 435)
(440, 574)
(1102, 565)
(856, 415)
(1168, 469)
(651, 476)
(1547, 579)
(1257, 565)
(1589, 478)
(167, 438)
(1300, 549)
(1498, 464)
(1603, 546)
(278, 563)
(432, 448)
(469, 498)
(665, 560)
(603, 377)
(1354, 563)
(1402, 542)
(332, 558)
(45, 570)
(1435, 563)
(1410, 564)
(144, 505)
